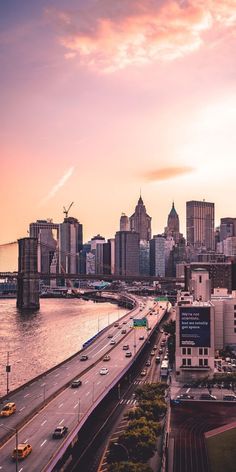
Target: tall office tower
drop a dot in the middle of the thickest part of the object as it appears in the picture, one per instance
(144, 258)
(98, 239)
(157, 256)
(111, 241)
(200, 224)
(47, 234)
(172, 228)
(126, 253)
(70, 244)
(124, 222)
(140, 221)
(227, 228)
(103, 258)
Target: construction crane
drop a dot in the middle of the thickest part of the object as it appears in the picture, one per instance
(66, 211)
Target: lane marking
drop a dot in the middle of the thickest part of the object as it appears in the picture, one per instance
(86, 381)
(56, 375)
(61, 421)
(45, 440)
(42, 385)
(27, 394)
(76, 405)
(60, 405)
(87, 394)
(23, 407)
(21, 469)
(26, 441)
(98, 382)
(45, 421)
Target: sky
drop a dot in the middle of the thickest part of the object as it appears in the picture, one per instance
(100, 99)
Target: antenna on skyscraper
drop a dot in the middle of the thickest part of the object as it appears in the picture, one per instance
(66, 211)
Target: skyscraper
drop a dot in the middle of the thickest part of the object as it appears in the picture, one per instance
(157, 256)
(140, 221)
(70, 244)
(200, 224)
(47, 234)
(124, 222)
(126, 253)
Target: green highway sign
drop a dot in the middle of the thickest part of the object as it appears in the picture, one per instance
(140, 323)
(161, 299)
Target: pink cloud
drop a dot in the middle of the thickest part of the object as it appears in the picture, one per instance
(108, 36)
(166, 173)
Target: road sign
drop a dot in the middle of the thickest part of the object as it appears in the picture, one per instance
(140, 323)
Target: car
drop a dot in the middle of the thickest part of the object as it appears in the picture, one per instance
(76, 383)
(148, 363)
(103, 371)
(155, 347)
(161, 331)
(123, 331)
(160, 351)
(84, 357)
(59, 432)
(119, 327)
(144, 372)
(106, 358)
(207, 396)
(22, 451)
(152, 353)
(110, 336)
(230, 398)
(131, 317)
(124, 322)
(125, 347)
(113, 342)
(116, 325)
(166, 358)
(185, 396)
(8, 409)
(158, 359)
(128, 354)
(141, 338)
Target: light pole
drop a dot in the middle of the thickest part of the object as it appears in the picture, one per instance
(8, 370)
(134, 340)
(123, 447)
(16, 435)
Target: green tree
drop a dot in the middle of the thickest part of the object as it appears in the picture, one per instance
(142, 422)
(129, 467)
(140, 443)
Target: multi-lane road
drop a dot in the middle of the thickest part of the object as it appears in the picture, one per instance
(71, 406)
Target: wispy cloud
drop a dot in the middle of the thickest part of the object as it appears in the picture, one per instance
(166, 173)
(58, 186)
(108, 36)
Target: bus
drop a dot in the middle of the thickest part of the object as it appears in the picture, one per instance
(164, 368)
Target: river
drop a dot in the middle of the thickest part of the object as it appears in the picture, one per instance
(36, 342)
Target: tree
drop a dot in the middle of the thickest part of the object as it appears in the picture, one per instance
(129, 467)
(140, 443)
(142, 422)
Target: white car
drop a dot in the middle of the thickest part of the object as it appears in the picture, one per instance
(104, 371)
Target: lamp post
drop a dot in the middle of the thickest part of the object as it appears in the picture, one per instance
(8, 370)
(16, 436)
(123, 447)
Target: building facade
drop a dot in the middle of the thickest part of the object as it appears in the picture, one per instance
(126, 253)
(140, 221)
(200, 221)
(70, 245)
(157, 256)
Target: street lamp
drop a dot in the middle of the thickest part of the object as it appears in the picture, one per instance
(123, 447)
(16, 434)
(8, 370)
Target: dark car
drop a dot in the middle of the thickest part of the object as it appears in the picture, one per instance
(76, 383)
(110, 335)
(141, 338)
(230, 398)
(148, 363)
(84, 357)
(106, 357)
(123, 331)
(185, 396)
(59, 432)
(128, 354)
(207, 396)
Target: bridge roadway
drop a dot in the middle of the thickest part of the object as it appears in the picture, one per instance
(71, 405)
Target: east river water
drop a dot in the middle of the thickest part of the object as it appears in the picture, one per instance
(35, 342)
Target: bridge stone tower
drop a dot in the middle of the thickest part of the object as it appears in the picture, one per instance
(28, 276)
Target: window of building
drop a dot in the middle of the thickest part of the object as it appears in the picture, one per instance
(200, 351)
(189, 361)
(184, 351)
(201, 362)
(184, 361)
(189, 351)
(235, 330)
(205, 351)
(235, 322)
(200, 279)
(234, 315)
(205, 361)
(234, 307)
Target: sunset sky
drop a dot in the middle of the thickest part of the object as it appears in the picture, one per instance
(100, 98)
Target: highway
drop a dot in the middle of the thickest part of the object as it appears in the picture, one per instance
(71, 405)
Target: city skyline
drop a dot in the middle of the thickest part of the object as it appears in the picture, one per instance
(99, 100)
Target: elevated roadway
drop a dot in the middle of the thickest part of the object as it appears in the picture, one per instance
(71, 407)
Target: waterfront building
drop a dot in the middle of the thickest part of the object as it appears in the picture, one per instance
(126, 253)
(200, 224)
(47, 234)
(140, 221)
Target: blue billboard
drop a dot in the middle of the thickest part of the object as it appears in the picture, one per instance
(194, 325)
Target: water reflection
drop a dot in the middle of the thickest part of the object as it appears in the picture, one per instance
(36, 341)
